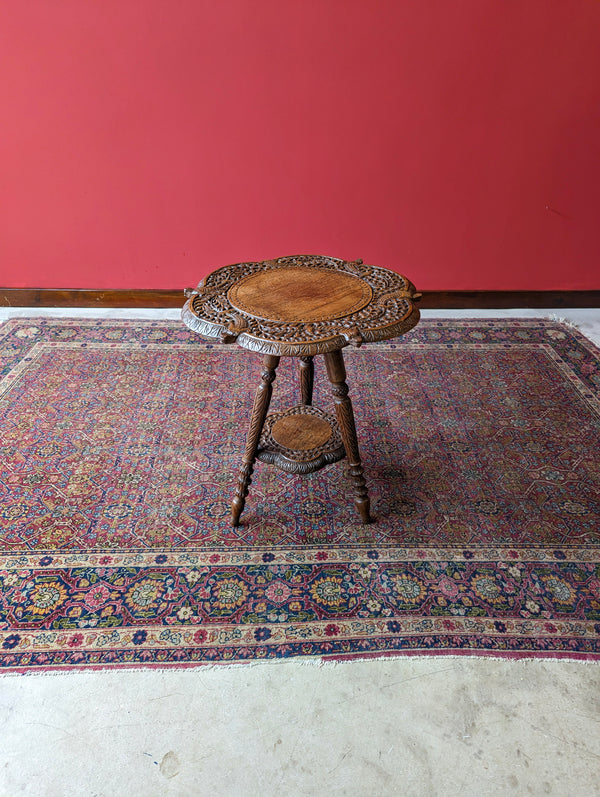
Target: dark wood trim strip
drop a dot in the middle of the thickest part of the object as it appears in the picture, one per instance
(446, 300)
(440, 300)
(44, 297)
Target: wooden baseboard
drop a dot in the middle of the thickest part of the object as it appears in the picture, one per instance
(440, 300)
(446, 300)
(45, 297)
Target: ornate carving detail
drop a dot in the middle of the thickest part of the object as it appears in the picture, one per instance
(291, 466)
(361, 493)
(354, 337)
(336, 371)
(241, 491)
(234, 328)
(268, 376)
(390, 312)
(300, 460)
(259, 413)
(340, 390)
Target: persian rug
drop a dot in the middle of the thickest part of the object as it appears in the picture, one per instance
(120, 443)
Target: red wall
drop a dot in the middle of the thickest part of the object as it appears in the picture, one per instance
(145, 142)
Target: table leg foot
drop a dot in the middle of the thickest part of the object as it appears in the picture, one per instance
(336, 372)
(361, 494)
(242, 487)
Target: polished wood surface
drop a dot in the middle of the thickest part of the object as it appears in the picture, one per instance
(296, 294)
(301, 432)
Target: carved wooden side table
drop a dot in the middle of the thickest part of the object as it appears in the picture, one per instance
(301, 306)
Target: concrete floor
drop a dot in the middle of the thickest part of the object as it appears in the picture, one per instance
(405, 726)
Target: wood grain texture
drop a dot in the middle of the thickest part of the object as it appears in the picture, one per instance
(298, 295)
(302, 432)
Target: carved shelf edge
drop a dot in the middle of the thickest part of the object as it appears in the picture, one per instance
(305, 460)
(219, 333)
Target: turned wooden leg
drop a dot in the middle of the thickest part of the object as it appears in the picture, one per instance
(307, 374)
(259, 413)
(336, 372)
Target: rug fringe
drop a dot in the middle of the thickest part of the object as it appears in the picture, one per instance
(467, 658)
(562, 320)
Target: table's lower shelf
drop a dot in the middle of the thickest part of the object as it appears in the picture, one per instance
(302, 439)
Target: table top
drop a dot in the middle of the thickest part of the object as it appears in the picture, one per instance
(301, 305)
